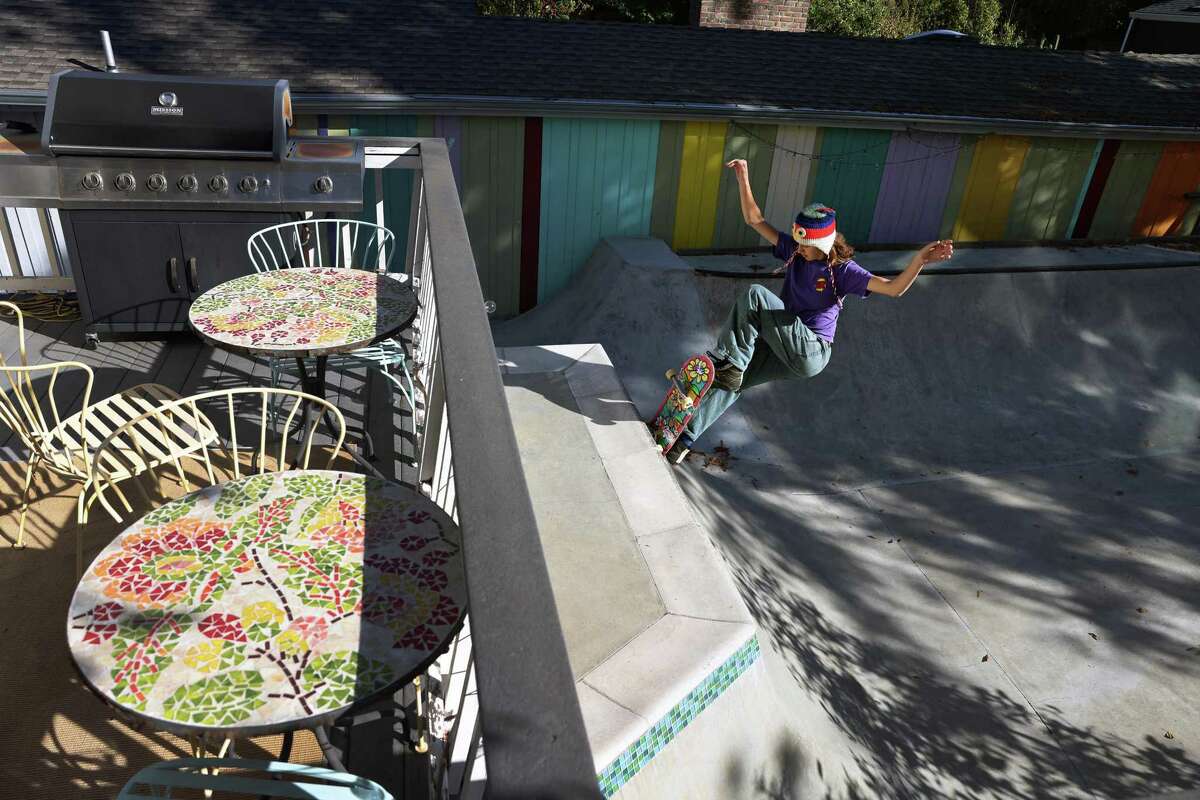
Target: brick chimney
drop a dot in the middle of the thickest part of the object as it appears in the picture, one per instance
(763, 15)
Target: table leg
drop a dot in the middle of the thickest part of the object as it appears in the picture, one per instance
(314, 384)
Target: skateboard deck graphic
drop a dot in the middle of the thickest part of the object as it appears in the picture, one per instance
(688, 386)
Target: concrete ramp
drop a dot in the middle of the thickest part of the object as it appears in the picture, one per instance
(973, 543)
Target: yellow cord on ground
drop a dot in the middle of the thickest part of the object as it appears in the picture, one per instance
(45, 307)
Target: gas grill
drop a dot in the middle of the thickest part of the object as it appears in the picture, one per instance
(161, 179)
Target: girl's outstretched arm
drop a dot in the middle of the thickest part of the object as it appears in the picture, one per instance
(750, 210)
(894, 287)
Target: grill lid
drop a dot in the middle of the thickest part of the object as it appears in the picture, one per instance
(173, 116)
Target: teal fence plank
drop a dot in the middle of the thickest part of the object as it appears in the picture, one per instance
(597, 181)
(397, 183)
(849, 173)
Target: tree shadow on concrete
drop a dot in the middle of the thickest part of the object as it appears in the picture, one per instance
(921, 734)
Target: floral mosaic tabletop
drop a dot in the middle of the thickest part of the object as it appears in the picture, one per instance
(303, 312)
(269, 603)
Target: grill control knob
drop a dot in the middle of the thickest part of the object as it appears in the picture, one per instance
(157, 182)
(125, 182)
(92, 180)
(218, 183)
(188, 183)
(323, 184)
(248, 184)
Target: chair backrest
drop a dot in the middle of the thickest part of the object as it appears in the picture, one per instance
(33, 414)
(212, 437)
(235, 777)
(322, 243)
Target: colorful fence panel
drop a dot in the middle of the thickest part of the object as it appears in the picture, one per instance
(1132, 169)
(492, 169)
(756, 144)
(991, 184)
(791, 173)
(958, 184)
(597, 181)
(666, 179)
(397, 183)
(848, 176)
(1178, 172)
(699, 181)
(1050, 187)
(914, 187)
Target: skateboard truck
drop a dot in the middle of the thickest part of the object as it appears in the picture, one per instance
(673, 377)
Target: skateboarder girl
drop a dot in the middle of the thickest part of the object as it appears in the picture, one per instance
(767, 338)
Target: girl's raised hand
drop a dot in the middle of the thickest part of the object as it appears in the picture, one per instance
(740, 168)
(941, 250)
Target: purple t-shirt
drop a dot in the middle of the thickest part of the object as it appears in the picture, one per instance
(807, 291)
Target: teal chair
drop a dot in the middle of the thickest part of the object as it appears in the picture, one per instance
(262, 778)
(337, 243)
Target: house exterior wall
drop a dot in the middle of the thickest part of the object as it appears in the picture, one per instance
(605, 177)
(767, 15)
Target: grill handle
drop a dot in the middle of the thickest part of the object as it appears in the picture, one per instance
(173, 276)
(193, 281)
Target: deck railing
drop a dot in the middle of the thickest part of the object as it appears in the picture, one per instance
(508, 682)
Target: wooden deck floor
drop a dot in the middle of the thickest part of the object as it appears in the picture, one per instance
(60, 740)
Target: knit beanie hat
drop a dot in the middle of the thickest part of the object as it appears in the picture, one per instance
(816, 227)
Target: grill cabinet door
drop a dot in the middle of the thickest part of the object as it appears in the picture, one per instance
(127, 273)
(215, 252)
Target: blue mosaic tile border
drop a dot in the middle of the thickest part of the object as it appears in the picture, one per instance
(660, 734)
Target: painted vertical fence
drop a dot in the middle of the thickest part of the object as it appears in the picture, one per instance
(450, 129)
(914, 187)
(397, 183)
(1098, 179)
(958, 183)
(1132, 169)
(1085, 193)
(848, 176)
(1050, 187)
(791, 167)
(991, 184)
(699, 181)
(492, 170)
(531, 213)
(1178, 172)
(756, 144)
(666, 179)
(597, 180)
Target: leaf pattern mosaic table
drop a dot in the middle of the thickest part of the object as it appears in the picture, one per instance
(269, 603)
(303, 312)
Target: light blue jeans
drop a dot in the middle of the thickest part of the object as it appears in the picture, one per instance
(768, 343)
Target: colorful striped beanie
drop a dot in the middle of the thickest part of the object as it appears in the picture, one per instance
(816, 226)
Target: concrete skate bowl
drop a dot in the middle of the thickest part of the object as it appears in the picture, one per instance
(973, 541)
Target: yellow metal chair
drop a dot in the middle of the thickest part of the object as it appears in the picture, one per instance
(63, 443)
(158, 446)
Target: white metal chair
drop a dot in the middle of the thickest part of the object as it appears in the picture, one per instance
(184, 777)
(157, 442)
(336, 243)
(63, 443)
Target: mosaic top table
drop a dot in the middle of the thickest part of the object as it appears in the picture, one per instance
(268, 604)
(304, 312)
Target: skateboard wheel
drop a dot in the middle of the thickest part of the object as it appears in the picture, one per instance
(671, 374)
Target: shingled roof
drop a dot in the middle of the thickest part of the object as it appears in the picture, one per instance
(1170, 7)
(441, 48)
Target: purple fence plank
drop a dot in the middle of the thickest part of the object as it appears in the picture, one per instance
(450, 129)
(916, 180)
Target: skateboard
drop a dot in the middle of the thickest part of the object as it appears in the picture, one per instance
(689, 384)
